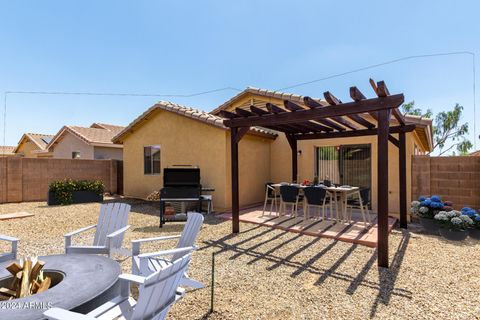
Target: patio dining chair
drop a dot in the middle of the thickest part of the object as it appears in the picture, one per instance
(362, 202)
(148, 263)
(289, 195)
(110, 230)
(157, 293)
(272, 196)
(315, 197)
(12, 255)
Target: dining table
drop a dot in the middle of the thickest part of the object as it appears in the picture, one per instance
(338, 194)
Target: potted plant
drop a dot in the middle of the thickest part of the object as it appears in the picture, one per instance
(454, 224)
(474, 230)
(425, 209)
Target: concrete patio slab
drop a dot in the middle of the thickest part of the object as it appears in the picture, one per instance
(355, 231)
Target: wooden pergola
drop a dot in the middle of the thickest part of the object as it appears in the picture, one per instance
(315, 119)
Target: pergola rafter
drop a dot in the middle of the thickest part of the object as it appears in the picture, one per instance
(334, 119)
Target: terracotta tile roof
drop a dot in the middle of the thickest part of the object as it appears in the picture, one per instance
(112, 127)
(93, 135)
(39, 139)
(7, 150)
(187, 112)
(264, 93)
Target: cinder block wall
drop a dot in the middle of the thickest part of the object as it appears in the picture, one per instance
(454, 178)
(24, 179)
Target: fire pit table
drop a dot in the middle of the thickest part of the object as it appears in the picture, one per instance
(79, 283)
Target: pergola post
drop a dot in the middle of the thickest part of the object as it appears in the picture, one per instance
(235, 193)
(382, 186)
(402, 164)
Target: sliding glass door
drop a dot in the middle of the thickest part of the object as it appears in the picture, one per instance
(345, 164)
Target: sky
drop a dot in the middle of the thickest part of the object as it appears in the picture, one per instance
(185, 47)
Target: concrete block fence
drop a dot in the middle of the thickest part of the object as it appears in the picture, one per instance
(454, 178)
(27, 179)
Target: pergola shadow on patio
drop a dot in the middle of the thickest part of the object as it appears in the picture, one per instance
(316, 120)
(386, 285)
(352, 231)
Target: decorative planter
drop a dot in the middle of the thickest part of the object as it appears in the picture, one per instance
(430, 225)
(77, 197)
(474, 233)
(455, 235)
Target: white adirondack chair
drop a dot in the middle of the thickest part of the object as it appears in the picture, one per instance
(12, 255)
(148, 263)
(157, 293)
(111, 227)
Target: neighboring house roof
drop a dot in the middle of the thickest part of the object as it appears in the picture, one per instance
(39, 139)
(475, 153)
(195, 114)
(424, 129)
(264, 93)
(7, 150)
(111, 127)
(93, 136)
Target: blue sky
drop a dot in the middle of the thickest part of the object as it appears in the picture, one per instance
(183, 47)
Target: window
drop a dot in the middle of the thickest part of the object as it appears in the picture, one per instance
(151, 159)
(76, 155)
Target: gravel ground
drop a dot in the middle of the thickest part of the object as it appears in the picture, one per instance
(271, 274)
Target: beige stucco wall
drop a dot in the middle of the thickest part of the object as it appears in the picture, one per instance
(182, 141)
(101, 153)
(187, 141)
(254, 169)
(69, 143)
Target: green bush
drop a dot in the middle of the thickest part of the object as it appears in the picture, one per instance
(64, 189)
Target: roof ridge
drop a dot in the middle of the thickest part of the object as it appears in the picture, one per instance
(265, 93)
(190, 112)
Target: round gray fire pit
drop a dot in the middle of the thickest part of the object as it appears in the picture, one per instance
(81, 283)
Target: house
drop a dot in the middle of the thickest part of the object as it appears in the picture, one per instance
(7, 151)
(33, 145)
(169, 134)
(94, 142)
(175, 134)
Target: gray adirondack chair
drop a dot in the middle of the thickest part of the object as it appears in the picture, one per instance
(110, 230)
(12, 255)
(157, 293)
(148, 263)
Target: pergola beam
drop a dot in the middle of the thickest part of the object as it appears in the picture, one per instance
(368, 105)
(348, 134)
(393, 140)
(312, 104)
(382, 91)
(332, 100)
(326, 122)
(357, 95)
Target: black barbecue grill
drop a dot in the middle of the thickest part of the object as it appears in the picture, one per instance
(180, 184)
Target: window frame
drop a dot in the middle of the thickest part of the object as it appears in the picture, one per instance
(152, 160)
(76, 153)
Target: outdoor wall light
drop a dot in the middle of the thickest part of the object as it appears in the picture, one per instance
(299, 152)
